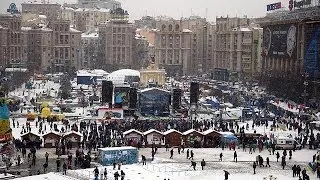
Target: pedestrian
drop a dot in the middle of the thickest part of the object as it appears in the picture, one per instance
(221, 155)
(47, 156)
(203, 163)
(235, 156)
(179, 149)
(64, 166)
(226, 175)
(187, 153)
(105, 173)
(45, 166)
(19, 160)
(283, 162)
(191, 155)
(278, 156)
(116, 175)
(143, 160)
(122, 175)
(254, 167)
(119, 165)
(298, 171)
(268, 162)
(114, 164)
(58, 164)
(290, 154)
(294, 171)
(193, 164)
(171, 154)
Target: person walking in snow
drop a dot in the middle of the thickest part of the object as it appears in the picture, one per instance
(235, 156)
(221, 155)
(203, 163)
(226, 175)
(191, 155)
(171, 154)
(254, 167)
(187, 153)
(278, 156)
(290, 154)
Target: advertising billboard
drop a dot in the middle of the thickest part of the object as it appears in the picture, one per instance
(121, 97)
(280, 41)
(274, 6)
(108, 113)
(5, 130)
(312, 50)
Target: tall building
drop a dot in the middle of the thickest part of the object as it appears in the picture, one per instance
(173, 48)
(90, 46)
(88, 19)
(52, 11)
(116, 38)
(235, 48)
(66, 47)
(3, 46)
(12, 46)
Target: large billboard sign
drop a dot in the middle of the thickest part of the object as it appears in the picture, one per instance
(121, 97)
(312, 50)
(280, 41)
(274, 6)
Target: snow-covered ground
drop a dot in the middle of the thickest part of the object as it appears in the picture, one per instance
(179, 168)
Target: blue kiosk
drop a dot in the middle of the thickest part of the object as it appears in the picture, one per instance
(124, 155)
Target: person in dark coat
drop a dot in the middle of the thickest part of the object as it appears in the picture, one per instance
(221, 155)
(294, 171)
(298, 171)
(64, 166)
(254, 167)
(226, 175)
(96, 172)
(268, 162)
(171, 154)
(191, 155)
(290, 154)
(283, 162)
(193, 164)
(116, 175)
(143, 160)
(235, 156)
(203, 163)
(122, 175)
(187, 153)
(278, 156)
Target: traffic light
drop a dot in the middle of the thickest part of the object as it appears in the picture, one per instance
(291, 5)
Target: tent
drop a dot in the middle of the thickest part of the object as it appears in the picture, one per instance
(228, 137)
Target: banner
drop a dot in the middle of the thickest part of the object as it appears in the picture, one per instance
(108, 113)
(5, 130)
(280, 41)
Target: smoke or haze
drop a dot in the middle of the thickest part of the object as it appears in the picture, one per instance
(178, 8)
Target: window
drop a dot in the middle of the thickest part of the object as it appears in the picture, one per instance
(163, 28)
(170, 27)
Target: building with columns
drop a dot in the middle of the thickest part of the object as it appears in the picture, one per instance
(116, 40)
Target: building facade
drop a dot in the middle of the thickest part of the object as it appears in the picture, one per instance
(66, 47)
(52, 11)
(11, 54)
(90, 46)
(116, 39)
(236, 50)
(173, 48)
(107, 4)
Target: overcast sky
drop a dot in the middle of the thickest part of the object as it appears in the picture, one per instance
(185, 8)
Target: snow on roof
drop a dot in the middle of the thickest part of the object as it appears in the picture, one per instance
(151, 131)
(33, 131)
(117, 148)
(74, 30)
(226, 133)
(26, 28)
(132, 130)
(43, 16)
(72, 132)
(53, 132)
(16, 70)
(99, 71)
(153, 88)
(125, 72)
(209, 131)
(171, 131)
(190, 131)
(46, 29)
(186, 31)
(245, 29)
(90, 35)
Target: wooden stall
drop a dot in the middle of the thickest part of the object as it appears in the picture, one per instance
(193, 138)
(173, 138)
